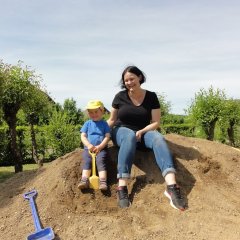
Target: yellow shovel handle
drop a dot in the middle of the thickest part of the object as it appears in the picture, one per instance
(93, 162)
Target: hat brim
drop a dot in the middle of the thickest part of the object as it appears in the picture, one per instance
(93, 107)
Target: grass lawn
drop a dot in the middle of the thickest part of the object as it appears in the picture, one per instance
(7, 172)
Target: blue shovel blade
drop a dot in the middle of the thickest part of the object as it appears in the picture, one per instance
(44, 234)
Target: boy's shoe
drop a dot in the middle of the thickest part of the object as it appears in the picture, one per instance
(84, 183)
(122, 195)
(103, 185)
(176, 200)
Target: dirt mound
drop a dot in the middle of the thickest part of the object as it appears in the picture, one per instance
(208, 173)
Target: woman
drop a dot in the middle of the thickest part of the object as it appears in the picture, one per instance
(134, 118)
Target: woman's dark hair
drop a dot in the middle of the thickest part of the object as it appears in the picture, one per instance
(134, 70)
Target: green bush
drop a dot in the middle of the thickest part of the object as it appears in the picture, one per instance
(5, 154)
(184, 129)
(53, 141)
(6, 158)
(62, 137)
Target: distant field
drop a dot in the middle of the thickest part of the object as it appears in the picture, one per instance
(7, 172)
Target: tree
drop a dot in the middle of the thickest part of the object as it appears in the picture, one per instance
(1, 90)
(165, 107)
(2, 74)
(206, 109)
(18, 84)
(34, 108)
(230, 118)
(75, 115)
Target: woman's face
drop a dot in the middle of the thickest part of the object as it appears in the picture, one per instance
(131, 81)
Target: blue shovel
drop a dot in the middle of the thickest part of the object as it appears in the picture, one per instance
(40, 233)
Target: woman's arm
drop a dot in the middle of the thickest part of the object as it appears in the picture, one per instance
(156, 114)
(113, 117)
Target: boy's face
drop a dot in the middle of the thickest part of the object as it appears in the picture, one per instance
(95, 114)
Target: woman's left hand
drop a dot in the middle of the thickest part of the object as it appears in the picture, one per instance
(138, 136)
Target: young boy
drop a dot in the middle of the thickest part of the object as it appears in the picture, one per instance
(95, 134)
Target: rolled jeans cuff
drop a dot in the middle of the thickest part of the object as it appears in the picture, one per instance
(168, 170)
(123, 175)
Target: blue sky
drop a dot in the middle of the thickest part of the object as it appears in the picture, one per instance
(81, 47)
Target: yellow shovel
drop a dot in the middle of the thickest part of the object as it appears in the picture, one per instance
(94, 179)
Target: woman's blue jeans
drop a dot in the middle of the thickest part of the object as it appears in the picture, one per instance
(125, 139)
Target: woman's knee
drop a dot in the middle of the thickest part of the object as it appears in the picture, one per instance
(153, 138)
(129, 137)
(126, 135)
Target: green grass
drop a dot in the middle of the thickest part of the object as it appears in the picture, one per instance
(7, 172)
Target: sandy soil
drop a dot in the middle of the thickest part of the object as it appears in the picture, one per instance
(208, 173)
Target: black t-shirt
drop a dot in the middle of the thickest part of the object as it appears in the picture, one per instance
(132, 116)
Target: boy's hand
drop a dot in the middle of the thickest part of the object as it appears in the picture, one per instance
(91, 148)
(97, 149)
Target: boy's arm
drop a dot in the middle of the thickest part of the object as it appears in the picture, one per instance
(104, 142)
(86, 142)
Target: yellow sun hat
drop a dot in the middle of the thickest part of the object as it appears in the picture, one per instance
(94, 104)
